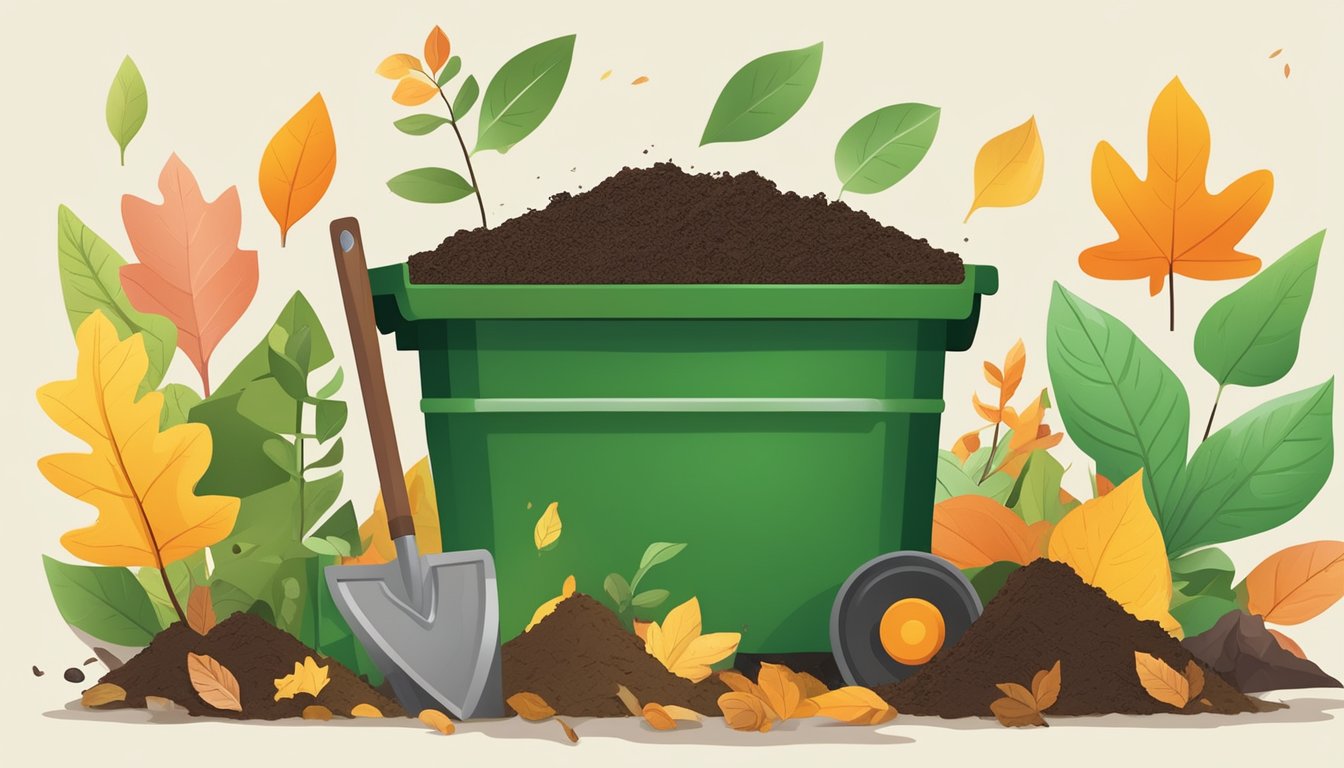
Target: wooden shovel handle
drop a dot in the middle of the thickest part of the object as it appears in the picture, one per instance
(354, 276)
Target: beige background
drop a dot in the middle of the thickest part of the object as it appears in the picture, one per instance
(223, 77)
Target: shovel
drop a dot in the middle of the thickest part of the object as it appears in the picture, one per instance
(430, 623)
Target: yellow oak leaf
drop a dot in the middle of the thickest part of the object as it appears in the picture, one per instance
(547, 531)
(1009, 168)
(678, 644)
(1114, 544)
(139, 479)
(378, 548)
(548, 607)
(307, 678)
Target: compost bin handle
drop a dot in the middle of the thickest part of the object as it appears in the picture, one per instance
(358, 296)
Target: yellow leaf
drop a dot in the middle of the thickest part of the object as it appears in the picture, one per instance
(213, 682)
(434, 718)
(744, 712)
(530, 706)
(398, 65)
(437, 49)
(966, 445)
(298, 165)
(414, 89)
(855, 705)
(988, 413)
(316, 712)
(784, 692)
(812, 687)
(1114, 544)
(1014, 366)
(1161, 681)
(200, 610)
(139, 479)
(1297, 583)
(378, 548)
(1009, 168)
(548, 607)
(974, 531)
(103, 693)
(366, 710)
(307, 678)
(629, 700)
(547, 531)
(678, 644)
(605, 75)
(681, 713)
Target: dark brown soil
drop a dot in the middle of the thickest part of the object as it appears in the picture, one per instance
(575, 658)
(663, 225)
(1243, 651)
(1044, 614)
(257, 654)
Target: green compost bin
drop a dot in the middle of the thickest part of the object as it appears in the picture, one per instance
(787, 433)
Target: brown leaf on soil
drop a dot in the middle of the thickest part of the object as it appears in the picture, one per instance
(438, 721)
(1194, 676)
(213, 682)
(1045, 687)
(569, 732)
(103, 693)
(854, 705)
(629, 700)
(1161, 681)
(366, 710)
(201, 610)
(316, 712)
(812, 687)
(1014, 713)
(161, 704)
(658, 718)
(744, 712)
(530, 706)
(1022, 707)
(784, 692)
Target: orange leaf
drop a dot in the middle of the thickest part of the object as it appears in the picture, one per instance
(437, 49)
(200, 610)
(639, 80)
(1297, 583)
(658, 718)
(1287, 70)
(214, 683)
(744, 712)
(1014, 366)
(569, 732)
(530, 706)
(1288, 644)
(1104, 485)
(812, 687)
(1045, 687)
(974, 531)
(966, 445)
(1194, 676)
(414, 89)
(1015, 713)
(993, 375)
(191, 269)
(1161, 681)
(992, 415)
(784, 692)
(1169, 223)
(298, 164)
(434, 718)
(366, 710)
(855, 705)
(103, 693)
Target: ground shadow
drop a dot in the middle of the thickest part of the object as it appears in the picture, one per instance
(1306, 709)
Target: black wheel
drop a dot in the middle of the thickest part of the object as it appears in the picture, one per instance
(895, 613)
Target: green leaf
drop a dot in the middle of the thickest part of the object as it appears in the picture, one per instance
(127, 105)
(267, 404)
(338, 528)
(287, 374)
(229, 599)
(651, 598)
(183, 575)
(107, 603)
(1254, 474)
(522, 93)
(466, 97)
(884, 147)
(957, 479)
(659, 552)
(1199, 614)
(450, 70)
(238, 467)
(319, 495)
(1250, 336)
(616, 586)
(90, 274)
(178, 400)
(283, 453)
(419, 125)
(1207, 571)
(429, 185)
(763, 95)
(1119, 403)
(1036, 497)
(297, 314)
(331, 415)
(331, 387)
(299, 348)
(989, 580)
(331, 458)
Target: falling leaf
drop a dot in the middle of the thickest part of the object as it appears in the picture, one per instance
(530, 706)
(366, 710)
(140, 479)
(1194, 677)
(378, 547)
(103, 693)
(200, 610)
(678, 644)
(433, 717)
(548, 607)
(1161, 681)
(884, 146)
(298, 164)
(307, 677)
(316, 712)
(854, 705)
(1287, 70)
(398, 65)
(414, 89)
(1276, 52)
(639, 80)
(191, 269)
(1288, 644)
(763, 95)
(570, 733)
(975, 531)
(744, 712)
(547, 531)
(629, 700)
(1009, 169)
(127, 105)
(1114, 543)
(214, 683)
(437, 49)
(783, 691)
(522, 93)
(605, 75)
(1169, 223)
(1297, 583)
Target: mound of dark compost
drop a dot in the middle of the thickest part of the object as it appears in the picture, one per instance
(1242, 650)
(1046, 613)
(575, 657)
(257, 654)
(663, 225)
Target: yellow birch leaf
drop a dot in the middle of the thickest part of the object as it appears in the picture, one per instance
(307, 677)
(1161, 681)
(1114, 544)
(434, 718)
(139, 479)
(855, 705)
(548, 607)
(414, 89)
(1009, 168)
(547, 531)
(378, 548)
(213, 682)
(398, 65)
(678, 644)
(298, 165)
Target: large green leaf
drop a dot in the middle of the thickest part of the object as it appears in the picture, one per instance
(127, 105)
(1198, 614)
(238, 464)
(90, 282)
(763, 95)
(1120, 404)
(522, 93)
(1254, 474)
(1207, 571)
(183, 575)
(108, 603)
(884, 147)
(958, 479)
(297, 314)
(1250, 336)
(430, 185)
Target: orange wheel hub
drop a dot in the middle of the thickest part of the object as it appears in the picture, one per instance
(912, 631)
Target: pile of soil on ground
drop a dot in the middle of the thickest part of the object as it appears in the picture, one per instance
(663, 225)
(1044, 614)
(1242, 650)
(257, 654)
(575, 658)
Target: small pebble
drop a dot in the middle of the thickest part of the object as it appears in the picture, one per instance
(37, 672)
(74, 675)
(965, 239)
(646, 151)
(90, 660)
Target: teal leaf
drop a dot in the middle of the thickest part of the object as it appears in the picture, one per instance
(1250, 337)
(1036, 496)
(430, 185)
(763, 95)
(127, 105)
(331, 415)
(331, 458)
(958, 479)
(466, 97)
(884, 147)
(651, 598)
(90, 282)
(178, 400)
(1119, 403)
(522, 93)
(108, 603)
(1256, 473)
(619, 590)
(450, 70)
(419, 125)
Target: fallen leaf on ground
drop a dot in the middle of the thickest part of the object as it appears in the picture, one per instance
(547, 531)
(316, 712)
(548, 607)
(530, 706)
(744, 712)
(784, 692)
(298, 165)
(678, 644)
(812, 687)
(366, 710)
(1194, 676)
(1297, 583)
(434, 718)
(1021, 707)
(1161, 681)
(629, 700)
(1276, 52)
(200, 610)
(1045, 687)
(736, 681)
(307, 677)
(855, 705)
(103, 693)
(1009, 168)
(658, 718)
(570, 733)
(213, 682)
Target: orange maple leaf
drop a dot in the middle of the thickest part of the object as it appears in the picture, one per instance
(1169, 223)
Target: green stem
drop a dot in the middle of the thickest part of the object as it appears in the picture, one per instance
(298, 472)
(1209, 428)
(452, 121)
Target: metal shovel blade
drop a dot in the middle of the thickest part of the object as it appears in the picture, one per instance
(431, 625)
